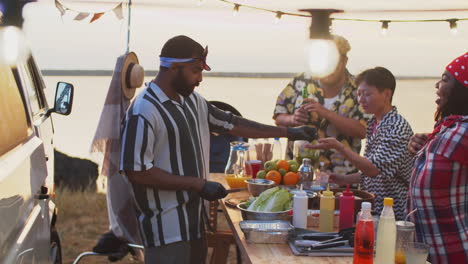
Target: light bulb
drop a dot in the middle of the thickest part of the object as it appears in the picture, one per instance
(13, 46)
(278, 17)
(200, 2)
(322, 56)
(235, 10)
(384, 28)
(453, 26)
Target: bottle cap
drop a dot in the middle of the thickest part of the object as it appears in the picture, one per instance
(327, 192)
(347, 192)
(388, 201)
(366, 206)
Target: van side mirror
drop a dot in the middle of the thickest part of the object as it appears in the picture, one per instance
(63, 98)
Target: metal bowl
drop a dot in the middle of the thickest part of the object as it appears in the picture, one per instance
(254, 215)
(257, 186)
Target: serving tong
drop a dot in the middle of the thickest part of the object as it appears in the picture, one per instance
(311, 241)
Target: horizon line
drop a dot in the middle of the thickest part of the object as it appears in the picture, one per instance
(207, 74)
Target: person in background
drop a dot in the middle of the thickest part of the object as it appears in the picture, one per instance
(330, 106)
(165, 153)
(386, 166)
(439, 183)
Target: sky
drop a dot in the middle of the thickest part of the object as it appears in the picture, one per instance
(250, 41)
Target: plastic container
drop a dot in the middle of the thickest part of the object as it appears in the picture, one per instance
(346, 209)
(300, 207)
(386, 235)
(327, 211)
(364, 237)
(270, 232)
(277, 150)
(306, 174)
(404, 235)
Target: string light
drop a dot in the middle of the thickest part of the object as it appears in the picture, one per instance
(385, 27)
(235, 10)
(453, 26)
(200, 2)
(278, 16)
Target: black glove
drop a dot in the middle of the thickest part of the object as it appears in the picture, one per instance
(212, 191)
(302, 133)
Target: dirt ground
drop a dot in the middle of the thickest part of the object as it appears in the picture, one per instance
(83, 218)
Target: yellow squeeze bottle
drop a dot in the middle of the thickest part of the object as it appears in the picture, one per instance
(327, 208)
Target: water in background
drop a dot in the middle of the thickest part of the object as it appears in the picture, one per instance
(254, 98)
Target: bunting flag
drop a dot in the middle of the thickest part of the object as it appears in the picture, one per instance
(81, 15)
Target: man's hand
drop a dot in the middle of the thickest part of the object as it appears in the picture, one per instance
(328, 143)
(302, 133)
(299, 118)
(212, 191)
(417, 142)
(313, 106)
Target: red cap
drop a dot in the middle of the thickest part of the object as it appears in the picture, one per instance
(347, 192)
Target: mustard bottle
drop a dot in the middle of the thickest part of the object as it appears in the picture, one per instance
(327, 208)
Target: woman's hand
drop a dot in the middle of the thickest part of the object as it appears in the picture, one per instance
(328, 143)
(339, 179)
(417, 142)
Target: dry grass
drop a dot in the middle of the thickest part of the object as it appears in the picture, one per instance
(83, 218)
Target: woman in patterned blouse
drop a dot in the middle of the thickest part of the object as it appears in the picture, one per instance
(439, 183)
(386, 166)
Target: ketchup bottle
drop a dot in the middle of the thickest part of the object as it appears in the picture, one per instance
(346, 209)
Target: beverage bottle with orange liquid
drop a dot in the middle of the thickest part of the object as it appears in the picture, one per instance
(364, 236)
(238, 166)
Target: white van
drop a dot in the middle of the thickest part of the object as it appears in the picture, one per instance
(27, 213)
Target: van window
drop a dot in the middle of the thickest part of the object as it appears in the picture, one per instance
(14, 128)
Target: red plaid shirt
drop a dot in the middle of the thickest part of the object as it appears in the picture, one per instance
(439, 190)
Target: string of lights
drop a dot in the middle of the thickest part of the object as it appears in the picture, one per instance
(385, 23)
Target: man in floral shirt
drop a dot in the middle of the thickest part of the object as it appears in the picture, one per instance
(330, 105)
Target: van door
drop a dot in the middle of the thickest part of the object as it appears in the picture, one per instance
(24, 214)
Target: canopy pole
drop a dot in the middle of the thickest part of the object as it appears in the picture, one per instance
(128, 25)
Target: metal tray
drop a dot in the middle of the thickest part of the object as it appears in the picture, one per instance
(270, 232)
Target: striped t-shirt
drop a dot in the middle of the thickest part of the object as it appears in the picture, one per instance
(175, 137)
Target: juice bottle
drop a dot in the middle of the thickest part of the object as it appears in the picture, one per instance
(386, 235)
(364, 237)
(346, 209)
(327, 210)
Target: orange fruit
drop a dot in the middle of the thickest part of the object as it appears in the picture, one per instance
(282, 164)
(290, 178)
(274, 176)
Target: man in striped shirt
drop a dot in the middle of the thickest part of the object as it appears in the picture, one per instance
(165, 153)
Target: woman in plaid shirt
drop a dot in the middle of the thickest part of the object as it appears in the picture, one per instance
(439, 183)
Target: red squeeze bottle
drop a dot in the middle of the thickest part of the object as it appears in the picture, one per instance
(364, 237)
(346, 209)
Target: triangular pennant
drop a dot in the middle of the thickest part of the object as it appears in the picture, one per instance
(81, 16)
(60, 7)
(118, 11)
(96, 17)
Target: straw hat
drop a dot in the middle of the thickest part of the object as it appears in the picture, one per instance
(132, 75)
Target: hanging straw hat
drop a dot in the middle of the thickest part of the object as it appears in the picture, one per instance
(132, 75)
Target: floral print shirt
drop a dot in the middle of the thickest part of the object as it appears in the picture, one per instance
(290, 99)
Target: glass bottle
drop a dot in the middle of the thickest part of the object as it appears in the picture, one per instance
(238, 168)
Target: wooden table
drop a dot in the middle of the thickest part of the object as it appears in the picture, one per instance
(264, 253)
